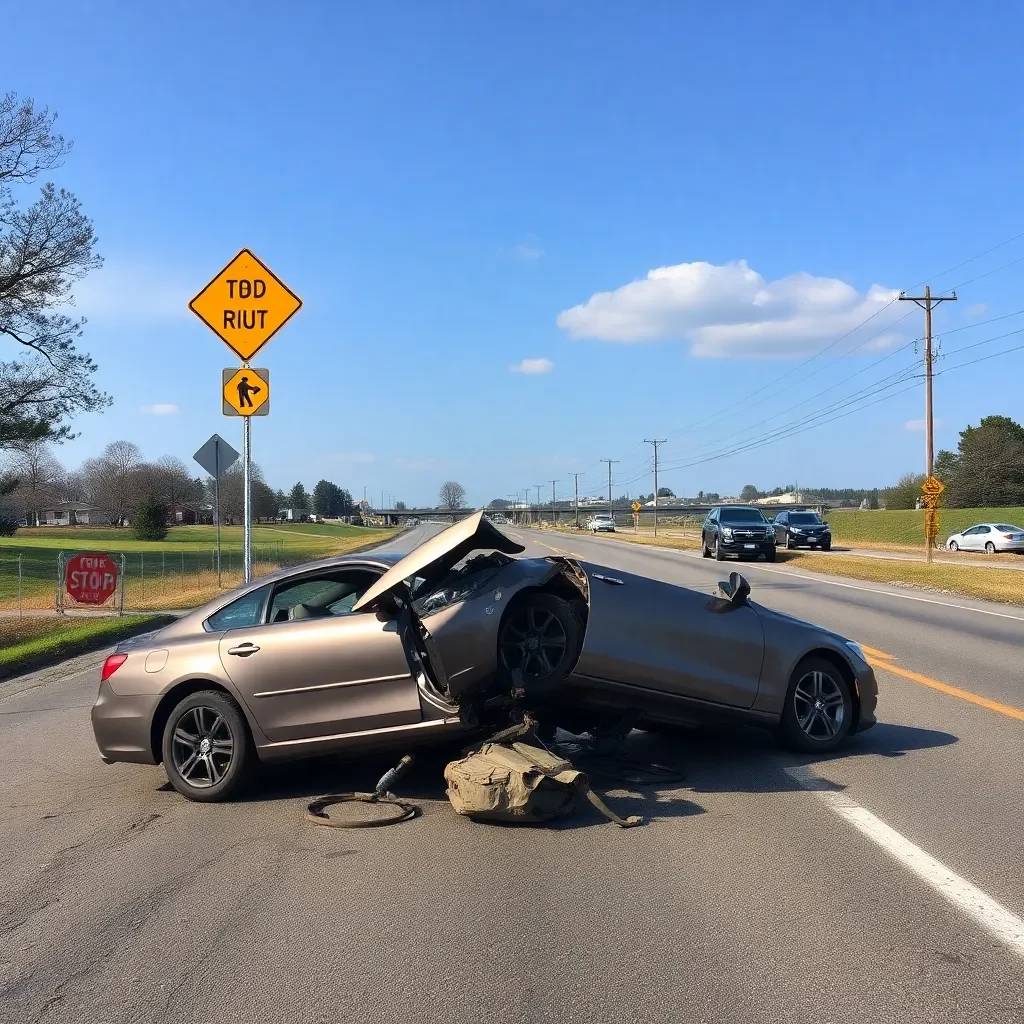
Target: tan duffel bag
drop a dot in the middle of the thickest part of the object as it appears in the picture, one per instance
(518, 782)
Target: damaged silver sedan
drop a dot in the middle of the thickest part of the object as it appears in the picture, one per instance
(376, 650)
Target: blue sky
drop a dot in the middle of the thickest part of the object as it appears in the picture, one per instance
(449, 185)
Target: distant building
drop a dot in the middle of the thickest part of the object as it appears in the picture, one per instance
(73, 513)
(179, 515)
(789, 498)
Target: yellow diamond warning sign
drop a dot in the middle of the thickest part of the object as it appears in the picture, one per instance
(245, 305)
(246, 391)
(933, 487)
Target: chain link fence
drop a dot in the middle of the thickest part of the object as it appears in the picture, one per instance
(32, 579)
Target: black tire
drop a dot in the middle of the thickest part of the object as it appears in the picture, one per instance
(705, 551)
(206, 747)
(990, 548)
(790, 543)
(719, 553)
(769, 556)
(827, 546)
(953, 546)
(539, 642)
(806, 727)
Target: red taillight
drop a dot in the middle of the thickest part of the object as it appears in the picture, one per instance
(1008, 536)
(111, 665)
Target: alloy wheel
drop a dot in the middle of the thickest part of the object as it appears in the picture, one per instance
(202, 747)
(533, 641)
(819, 705)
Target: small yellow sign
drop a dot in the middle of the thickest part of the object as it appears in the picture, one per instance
(245, 305)
(246, 391)
(932, 486)
(636, 506)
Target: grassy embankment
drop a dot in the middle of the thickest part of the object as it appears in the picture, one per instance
(37, 640)
(900, 529)
(178, 572)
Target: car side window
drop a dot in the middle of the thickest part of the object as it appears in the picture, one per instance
(983, 529)
(322, 596)
(246, 611)
(782, 517)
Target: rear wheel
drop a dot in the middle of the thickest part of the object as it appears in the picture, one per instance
(818, 713)
(990, 548)
(539, 641)
(207, 751)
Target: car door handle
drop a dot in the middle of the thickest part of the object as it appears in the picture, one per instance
(243, 650)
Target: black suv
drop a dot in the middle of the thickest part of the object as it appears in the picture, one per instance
(737, 530)
(796, 528)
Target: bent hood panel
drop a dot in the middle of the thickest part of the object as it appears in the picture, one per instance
(436, 556)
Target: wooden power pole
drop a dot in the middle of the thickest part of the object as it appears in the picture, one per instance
(576, 496)
(610, 463)
(655, 442)
(928, 302)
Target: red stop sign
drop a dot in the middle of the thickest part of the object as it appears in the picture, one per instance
(90, 578)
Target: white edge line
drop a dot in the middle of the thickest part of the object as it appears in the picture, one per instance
(848, 586)
(992, 916)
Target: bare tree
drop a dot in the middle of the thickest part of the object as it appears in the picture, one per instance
(452, 496)
(232, 493)
(38, 474)
(44, 248)
(112, 479)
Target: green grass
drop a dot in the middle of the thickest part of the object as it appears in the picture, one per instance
(906, 528)
(42, 640)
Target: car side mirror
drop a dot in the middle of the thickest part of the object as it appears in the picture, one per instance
(735, 590)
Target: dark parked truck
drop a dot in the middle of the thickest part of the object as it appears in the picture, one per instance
(739, 530)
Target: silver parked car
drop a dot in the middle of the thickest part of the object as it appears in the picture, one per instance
(990, 537)
(601, 522)
(375, 650)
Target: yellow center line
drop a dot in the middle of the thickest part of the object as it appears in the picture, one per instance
(875, 660)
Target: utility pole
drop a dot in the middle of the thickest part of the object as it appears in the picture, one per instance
(928, 302)
(576, 493)
(538, 494)
(655, 442)
(610, 462)
(553, 482)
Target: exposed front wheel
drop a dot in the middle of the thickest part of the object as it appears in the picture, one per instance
(719, 553)
(540, 640)
(206, 747)
(769, 556)
(953, 546)
(990, 548)
(827, 546)
(790, 543)
(818, 713)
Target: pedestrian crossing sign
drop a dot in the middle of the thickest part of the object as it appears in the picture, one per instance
(246, 391)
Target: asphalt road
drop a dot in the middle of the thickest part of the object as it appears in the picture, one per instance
(755, 893)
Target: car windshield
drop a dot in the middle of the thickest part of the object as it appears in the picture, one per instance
(804, 518)
(602, 516)
(741, 515)
(1005, 528)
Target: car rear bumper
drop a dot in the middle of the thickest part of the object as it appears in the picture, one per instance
(1014, 546)
(122, 726)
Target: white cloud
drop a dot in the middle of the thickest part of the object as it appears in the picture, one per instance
(978, 309)
(161, 409)
(532, 366)
(526, 252)
(130, 292)
(917, 426)
(728, 310)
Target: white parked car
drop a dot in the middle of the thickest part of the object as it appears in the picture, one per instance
(990, 537)
(602, 522)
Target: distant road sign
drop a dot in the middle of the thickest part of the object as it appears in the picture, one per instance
(216, 456)
(933, 487)
(90, 578)
(246, 391)
(636, 506)
(245, 305)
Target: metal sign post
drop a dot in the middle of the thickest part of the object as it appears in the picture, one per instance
(247, 499)
(216, 456)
